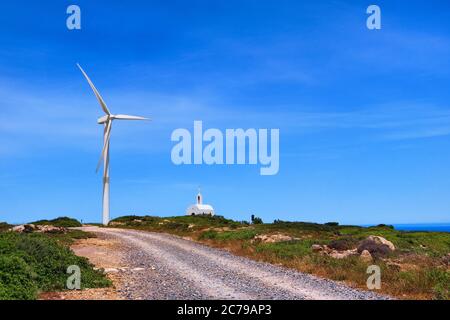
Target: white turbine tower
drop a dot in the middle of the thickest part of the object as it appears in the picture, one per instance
(106, 120)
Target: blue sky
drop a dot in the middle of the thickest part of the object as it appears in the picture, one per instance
(364, 116)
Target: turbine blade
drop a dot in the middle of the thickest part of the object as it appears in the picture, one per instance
(127, 117)
(97, 94)
(105, 144)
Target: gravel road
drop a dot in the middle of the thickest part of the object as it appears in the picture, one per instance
(169, 267)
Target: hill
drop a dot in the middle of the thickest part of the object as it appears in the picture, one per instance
(413, 264)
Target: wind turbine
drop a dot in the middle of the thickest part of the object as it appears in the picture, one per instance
(106, 120)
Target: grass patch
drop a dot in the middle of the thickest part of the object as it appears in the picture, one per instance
(243, 234)
(286, 250)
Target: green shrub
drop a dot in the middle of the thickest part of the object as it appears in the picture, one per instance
(244, 234)
(179, 226)
(42, 263)
(17, 279)
(209, 234)
(343, 244)
(387, 226)
(440, 281)
(65, 222)
(132, 218)
(332, 224)
(256, 220)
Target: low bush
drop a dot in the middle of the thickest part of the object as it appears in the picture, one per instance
(332, 224)
(209, 234)
(31, 263)
(17, 279)
(65, 222)
(256, 220)
(343, 244)
(440, 281)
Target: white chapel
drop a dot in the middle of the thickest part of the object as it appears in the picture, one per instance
(199, 208)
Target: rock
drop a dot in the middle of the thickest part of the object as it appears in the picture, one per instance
(381, 240)
(265, 238)
(317, 248)
(366, 256)
(50, 229)
(24, 228)
(336, 254)
(342, 254)
(221, 229)
(28, 228)
(377, 246)
(116, 223)
(18, 229)
(446, 259)
(324, 249)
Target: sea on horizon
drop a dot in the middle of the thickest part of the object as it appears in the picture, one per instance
(431, 227)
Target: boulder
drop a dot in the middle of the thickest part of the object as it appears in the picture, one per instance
(50, 229)
(366, 256)
(377, 250)
(381, 240)
(321, 248)
(116, 223)
(317, 248)
(377, 246)
(336, 254)
(24, 228)
(272, 238)
(28, 228)
(342, 254)
(446, 259)
(18, 229)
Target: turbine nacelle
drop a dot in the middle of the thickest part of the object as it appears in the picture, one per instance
(106, 118)
(103, 120)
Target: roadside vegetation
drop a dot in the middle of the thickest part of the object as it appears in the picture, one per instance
(32, 263)
(65, 222)
(418, 268)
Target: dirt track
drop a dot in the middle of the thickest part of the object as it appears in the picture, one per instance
(162, 266)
